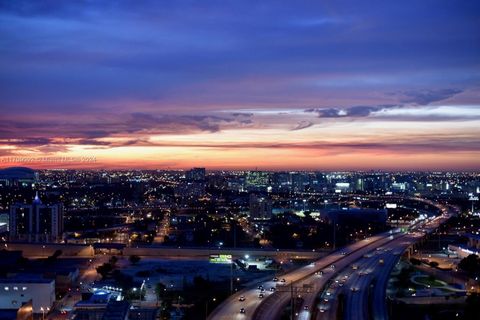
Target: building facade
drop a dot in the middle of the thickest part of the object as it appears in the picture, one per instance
(36, 222)
(14, 292)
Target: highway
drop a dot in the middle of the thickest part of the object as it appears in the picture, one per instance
(307, 284)
(230, 308)
(346, 263)
(357, 287)
(358, 293)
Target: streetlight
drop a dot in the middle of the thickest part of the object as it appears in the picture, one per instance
(206, 307)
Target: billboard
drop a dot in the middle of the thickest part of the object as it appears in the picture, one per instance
(220, 258)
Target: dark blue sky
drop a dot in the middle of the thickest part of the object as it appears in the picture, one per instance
(194, 66)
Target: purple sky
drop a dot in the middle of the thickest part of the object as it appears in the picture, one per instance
(82, 77)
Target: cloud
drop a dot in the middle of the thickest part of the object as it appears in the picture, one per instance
(350, 112)
(184, 54)
(51, 135)
(426, 97)
(418, 144)
(430, 113)
(302, 125)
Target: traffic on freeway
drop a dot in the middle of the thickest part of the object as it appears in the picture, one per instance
(269, 298)
(246, 308)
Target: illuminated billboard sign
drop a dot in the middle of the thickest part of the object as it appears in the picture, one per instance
(220, 258)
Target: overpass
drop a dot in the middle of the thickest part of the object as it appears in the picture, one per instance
(87, 251)
(309, 284)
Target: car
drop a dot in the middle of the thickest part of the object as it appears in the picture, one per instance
(319, 273)
(344, 253)
(242, 298)
(354, 266)
(275, 279)
(242, 310)
(283, 280)
(272, 289)
(260, 295)
(332, 266)
(305, 308)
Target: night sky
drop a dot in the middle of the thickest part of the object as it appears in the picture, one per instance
(327, 85)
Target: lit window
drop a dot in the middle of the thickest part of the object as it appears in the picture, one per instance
(15, 288)
(24, 288)
(7, 288)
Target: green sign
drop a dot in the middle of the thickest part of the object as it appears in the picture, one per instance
(220, 258)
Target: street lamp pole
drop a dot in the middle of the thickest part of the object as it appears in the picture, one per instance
(334, 234)
(231, 277)
(292, 304)
(206, 307)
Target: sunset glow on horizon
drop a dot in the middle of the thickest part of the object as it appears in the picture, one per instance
(244, 85)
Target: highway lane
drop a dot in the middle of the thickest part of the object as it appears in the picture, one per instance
(271, 306)
(357, 301)
(357, 288)
(378, 299)
(329, 297)
(230, 308)
(357, 309)
(274, 306)
(356, 291)
(320, 282)
(360, 279)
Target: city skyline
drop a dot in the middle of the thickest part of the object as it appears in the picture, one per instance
(299, 86)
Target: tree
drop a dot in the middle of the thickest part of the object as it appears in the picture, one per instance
(471, 308)
(113, 260)
(105, 269)
(160, 290)
(470, 264)
(134, 259)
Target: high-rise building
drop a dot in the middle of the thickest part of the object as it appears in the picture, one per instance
(260, 207)
(257, 180)
(36, 222)
(299, 181)
(195, 174)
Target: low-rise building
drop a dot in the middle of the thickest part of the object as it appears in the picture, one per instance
(16, 291)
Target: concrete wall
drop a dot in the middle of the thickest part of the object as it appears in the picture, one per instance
(13, 294)
(201, 252)
(76, 250)
(45, 250)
